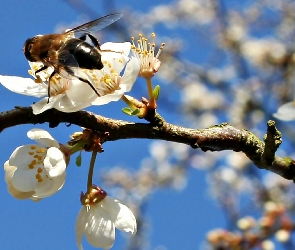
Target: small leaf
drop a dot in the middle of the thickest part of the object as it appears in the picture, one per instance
(79, 160)
(156, 92)
(127, 111)
(135, 112)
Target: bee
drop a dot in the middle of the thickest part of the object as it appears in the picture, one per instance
(68, 52)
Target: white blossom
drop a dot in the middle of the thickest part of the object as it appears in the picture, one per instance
(99, 217)
(71, 95)
(36, 171)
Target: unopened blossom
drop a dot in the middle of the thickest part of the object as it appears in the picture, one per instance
(286, 112)
(36, 171)
(99, 217)
(144, 51)
(68, 93)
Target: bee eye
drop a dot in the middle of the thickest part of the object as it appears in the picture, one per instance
(30, 47)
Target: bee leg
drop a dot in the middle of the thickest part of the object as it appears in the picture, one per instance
(83, 38)
(91, 86)
(93, 40)
(49, 79)
(41, 69)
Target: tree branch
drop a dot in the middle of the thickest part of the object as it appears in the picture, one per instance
(215, 138)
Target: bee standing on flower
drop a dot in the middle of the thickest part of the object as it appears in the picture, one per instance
(69, 51)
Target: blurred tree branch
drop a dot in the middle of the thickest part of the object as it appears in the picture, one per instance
(215, 138)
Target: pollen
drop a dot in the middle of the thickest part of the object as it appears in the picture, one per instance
(33, 147)
(41, 150)
(32, 164)
(39, 177)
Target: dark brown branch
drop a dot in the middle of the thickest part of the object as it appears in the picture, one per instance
(215, 138)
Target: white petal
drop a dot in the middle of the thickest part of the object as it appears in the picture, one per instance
(49, 186)
(9, 171)
(97, 226)
(118, 47)
(109, 98)
(77, 87)
(42, 105)
(131, 73)
(286, 112)
(24, 180)
(25, 86)
(43, 137)
(21, 157)
(121, 214)
(54, 162)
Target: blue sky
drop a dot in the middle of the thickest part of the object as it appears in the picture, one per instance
(178, 219)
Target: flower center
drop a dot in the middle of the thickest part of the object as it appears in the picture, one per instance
(37, 154)
(145, 53)
(58, 84)
(106, 80)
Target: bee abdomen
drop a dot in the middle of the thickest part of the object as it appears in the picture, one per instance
(87, 56)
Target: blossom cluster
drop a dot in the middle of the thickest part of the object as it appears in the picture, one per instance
(37, 171)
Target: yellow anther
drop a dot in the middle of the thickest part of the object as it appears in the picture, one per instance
(33, 147)
(41, 150)
(39, 170)
(39, 178)
(31, 166)
(153, 35)
(108, 80)
(30, 153)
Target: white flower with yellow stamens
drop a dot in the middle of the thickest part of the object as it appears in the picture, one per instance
(36, 171)
(71, 95)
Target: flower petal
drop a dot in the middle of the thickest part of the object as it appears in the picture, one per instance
(9, 172)
(25, 86)
(24, 180)
(43, 137)
(109, 98)
(97, 226)
(286, 112)
(44, 105)
(21, 157)
(121, 215)
(123, 48)
(54, 162)
(49, 186)
(131, 73)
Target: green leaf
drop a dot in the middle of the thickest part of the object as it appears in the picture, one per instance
(156, 92)
(79, 160)
(135, 112)
(127, 111)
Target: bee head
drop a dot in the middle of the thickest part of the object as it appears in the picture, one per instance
(28, 48)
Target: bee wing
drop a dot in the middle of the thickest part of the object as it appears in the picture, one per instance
(95, 25)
